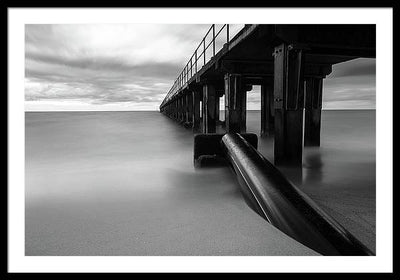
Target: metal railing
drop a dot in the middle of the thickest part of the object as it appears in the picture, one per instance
(198, 59)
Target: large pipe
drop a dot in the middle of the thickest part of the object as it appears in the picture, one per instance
(284, 205)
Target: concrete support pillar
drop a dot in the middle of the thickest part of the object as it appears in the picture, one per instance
(176, 109)
(189, 97)
(209, 97)
(182, 118)
(243, 111)
(181, 112)
(196, 111)
(289, 105)
(184, 109)
(313, 106)
(234, 95)
(217, 108)
(173, 107)
(267, 109)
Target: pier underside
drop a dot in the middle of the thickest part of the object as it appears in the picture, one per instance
(288, 61)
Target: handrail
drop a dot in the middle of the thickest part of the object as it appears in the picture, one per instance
(192, 68)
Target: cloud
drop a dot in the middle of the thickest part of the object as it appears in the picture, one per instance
(105, 63)
(351, 84)
(356, 67)
(134, 65)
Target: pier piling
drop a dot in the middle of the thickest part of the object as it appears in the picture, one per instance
(209, 108)
(196, 111)
(313, 106)
(234, 96)
(267, 109)
(289, 105)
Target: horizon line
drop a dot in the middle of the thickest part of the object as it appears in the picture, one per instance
(38, 111)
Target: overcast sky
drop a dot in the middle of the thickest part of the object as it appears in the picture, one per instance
(132, 67)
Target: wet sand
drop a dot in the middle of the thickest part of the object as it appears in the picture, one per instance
(123, 183)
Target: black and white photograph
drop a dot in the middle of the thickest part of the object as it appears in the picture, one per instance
(193, 136)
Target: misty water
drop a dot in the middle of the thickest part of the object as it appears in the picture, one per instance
(123, 183)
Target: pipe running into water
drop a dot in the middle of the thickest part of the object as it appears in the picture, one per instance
(284, 205)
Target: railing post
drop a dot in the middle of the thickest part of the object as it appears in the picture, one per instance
(213, 39)
(195, 55)
(186, 74)
(204, 50)
(227, 33)
(191, 67)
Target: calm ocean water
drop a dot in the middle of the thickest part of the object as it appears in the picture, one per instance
(123, 183)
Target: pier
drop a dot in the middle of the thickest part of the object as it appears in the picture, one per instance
(289, 62)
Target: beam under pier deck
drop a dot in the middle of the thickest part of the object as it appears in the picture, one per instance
(289, 105)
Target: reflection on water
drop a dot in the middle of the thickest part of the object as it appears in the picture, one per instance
(313, 165)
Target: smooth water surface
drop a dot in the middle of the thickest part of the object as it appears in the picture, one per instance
(123, 183)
